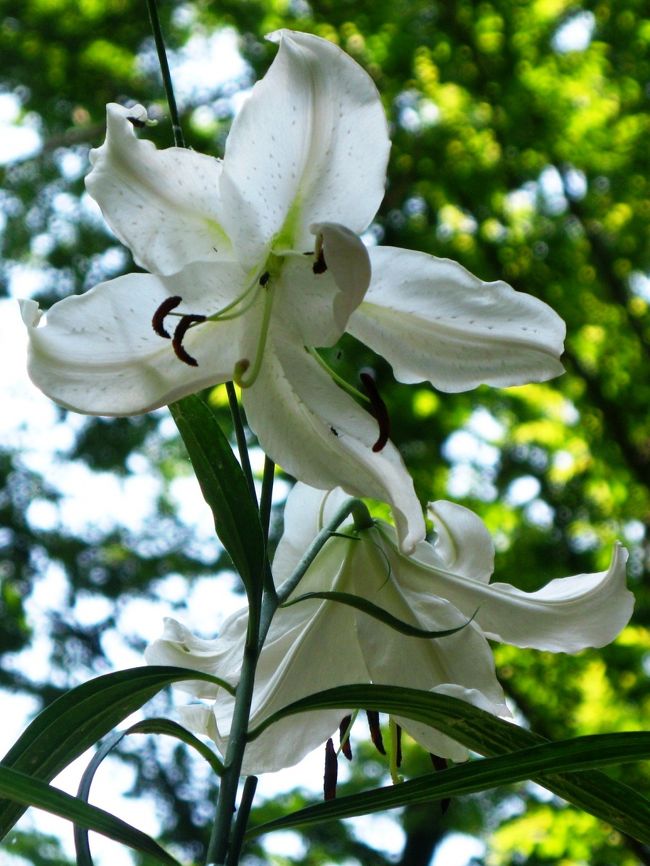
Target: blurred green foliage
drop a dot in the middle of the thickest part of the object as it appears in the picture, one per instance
(520, 148)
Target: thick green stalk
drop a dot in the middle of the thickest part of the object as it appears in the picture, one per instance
(219, 848)
(220, 839)
(250, 785)
(267, 495)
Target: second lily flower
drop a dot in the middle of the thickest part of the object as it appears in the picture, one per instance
(317, 644)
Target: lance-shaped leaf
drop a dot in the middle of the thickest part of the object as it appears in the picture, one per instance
(591, 790)
(23, 789)
(225, 490)
(581, 753)
(81, 717)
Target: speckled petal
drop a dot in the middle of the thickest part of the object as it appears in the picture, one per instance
(433, 320)
(316, 432)
(310, 145)
(163, 204)
(317, 300)
(97, 353)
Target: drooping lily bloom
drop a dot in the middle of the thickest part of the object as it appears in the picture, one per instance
(318, 644)
(256, 259)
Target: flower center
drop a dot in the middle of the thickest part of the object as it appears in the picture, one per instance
(245, 373)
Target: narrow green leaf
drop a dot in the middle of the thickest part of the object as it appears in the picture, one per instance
(81, 841)
(224, 487)
(582, 753)
(173, 729)
(147, 726)
(377, 612)
(23, 789)
(618, 804)
(81, 717)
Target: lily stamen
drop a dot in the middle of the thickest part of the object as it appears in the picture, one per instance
(344, 737)
(331, 771)
(182, 328)
(441, 764)
(220, 315)
(375, 731)
(319, 266)
(158, 319)
(378, 409)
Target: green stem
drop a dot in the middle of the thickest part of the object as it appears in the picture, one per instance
(241, 822)
(219, 841)
(240, 435)
(221, 849)
(362, 520)
(179, 141)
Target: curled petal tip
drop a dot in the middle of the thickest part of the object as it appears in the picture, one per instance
(30, 312)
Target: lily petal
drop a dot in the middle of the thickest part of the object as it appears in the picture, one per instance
(440, 744)
(180, 648)
(98, 353)
(464, 658)
(310, 646)
(306, 512)
(463, 542)
(315, 431)
(163, 204)
(433, 320)
(200, 719)
(566, 615)
(346, 256)
(318, 302)
(310, 145)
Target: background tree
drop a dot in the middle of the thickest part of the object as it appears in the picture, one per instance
(520, 137)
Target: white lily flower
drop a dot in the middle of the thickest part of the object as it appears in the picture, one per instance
(319, 644)
(258, 256)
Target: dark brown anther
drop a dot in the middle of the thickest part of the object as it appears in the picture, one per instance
(319, 266)
(331, 771)
(344, 737)
(375, 731)
(158, 320)
(398, 746)
(441, 764)
(139, 124)
(182, 328)
(264, 278)
(378, 409)
(334, 431)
